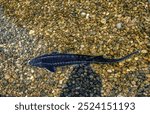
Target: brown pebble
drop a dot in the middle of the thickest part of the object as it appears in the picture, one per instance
(148, 75)
(7, 77)
(103, 21)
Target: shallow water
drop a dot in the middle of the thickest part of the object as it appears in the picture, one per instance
(90, 28)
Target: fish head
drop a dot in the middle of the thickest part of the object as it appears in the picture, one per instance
(35, 62)
(39, 62)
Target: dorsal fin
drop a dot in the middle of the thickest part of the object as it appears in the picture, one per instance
(44, 55)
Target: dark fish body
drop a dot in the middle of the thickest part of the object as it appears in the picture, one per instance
(53, 60)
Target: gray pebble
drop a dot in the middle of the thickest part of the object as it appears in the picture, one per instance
(119, 25)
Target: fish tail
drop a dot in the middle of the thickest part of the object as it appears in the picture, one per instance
(123, 58)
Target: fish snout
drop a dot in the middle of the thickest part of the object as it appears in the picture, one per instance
(30, 62)
(35, 62)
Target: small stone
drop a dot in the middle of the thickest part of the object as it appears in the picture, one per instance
(136, 58)
(73, 82)
(91, 76)
(32, 71)
(32, 78)
(109, 70)
(82, 46)
(128, 70)
(121, 63)
(144, 51)
(76, 92)
(119, 25)
(77, 87)
(53, 91)
(87, 16)
(10, 80)
(132, 68)
(83, 14)
(129, 59)
(61, 81)
(65, 86)
(7, 77)
(103, 21)
(133, 82)
(31, 32)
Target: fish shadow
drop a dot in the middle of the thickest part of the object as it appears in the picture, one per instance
(83, 82)
(140, 87)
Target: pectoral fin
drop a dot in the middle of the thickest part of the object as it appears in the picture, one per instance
(50, 68)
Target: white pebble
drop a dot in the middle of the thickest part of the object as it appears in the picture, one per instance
(109, 70)
(32, 71)
(83, 14)
(87, 16)
(31, 32)
(82, 46)
(119, 25)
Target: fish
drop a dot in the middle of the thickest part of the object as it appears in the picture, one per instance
(55, 59)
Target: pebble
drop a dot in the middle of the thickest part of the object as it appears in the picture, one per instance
(133, 82)
(103, 21)
(109, 70)
(32, 71)
(31, 32)
(32, 78)
(7, 77)
(61, 82)
(144, 51)
(136, 58)
(87, 16)
(83, 14)
(82, 46)
(119, 25)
